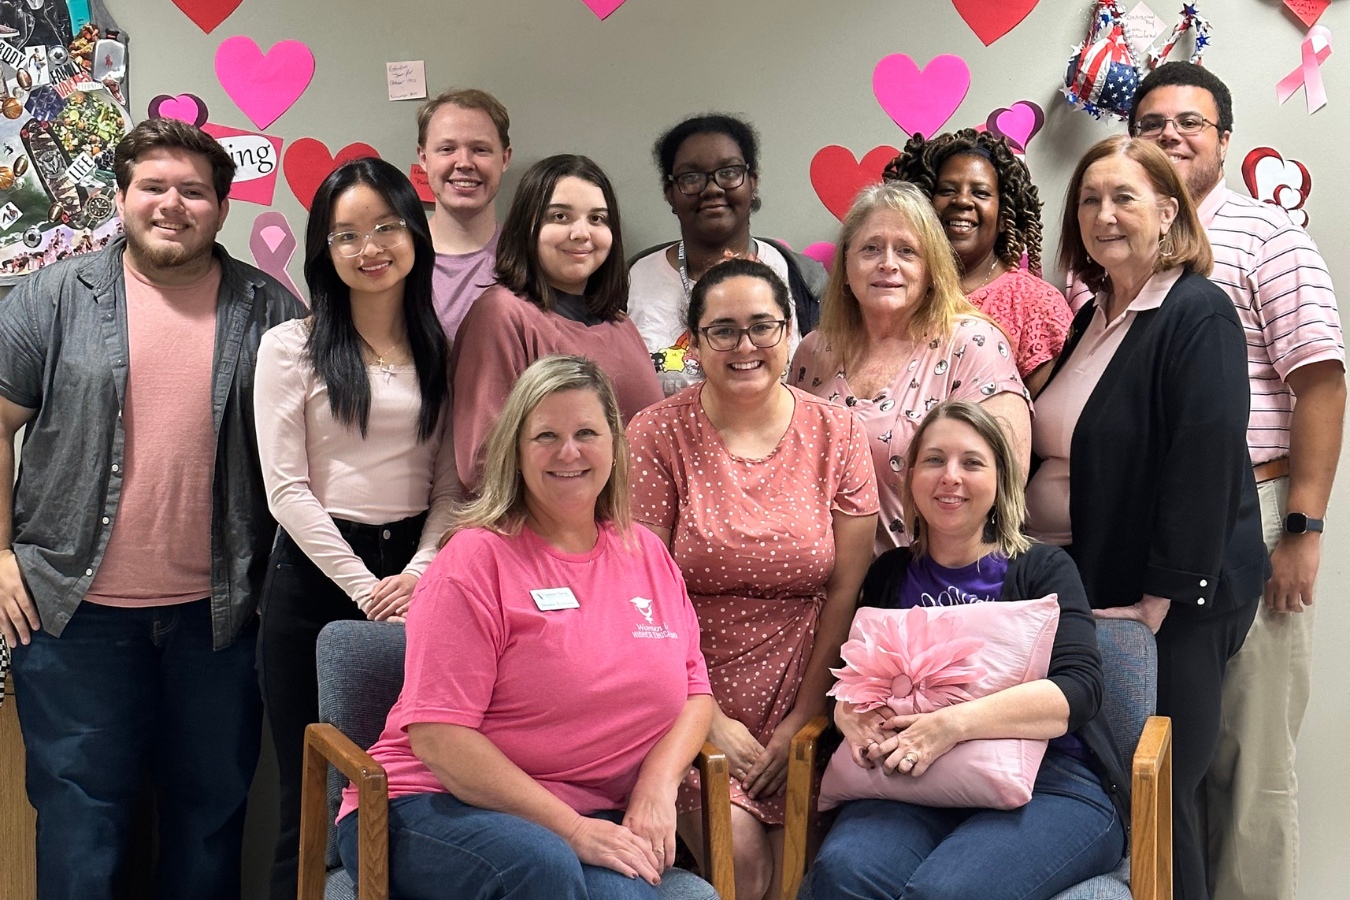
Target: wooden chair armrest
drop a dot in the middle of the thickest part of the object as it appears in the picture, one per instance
(1151, 812)
(801, 803)
(714, 775)
(325, 744)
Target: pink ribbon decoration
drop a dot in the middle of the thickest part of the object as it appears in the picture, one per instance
(272, 245)
(1316, 48)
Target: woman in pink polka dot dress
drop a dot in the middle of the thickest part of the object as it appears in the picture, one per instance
(767, 499)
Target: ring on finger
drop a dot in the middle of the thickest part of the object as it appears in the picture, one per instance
(912, 758)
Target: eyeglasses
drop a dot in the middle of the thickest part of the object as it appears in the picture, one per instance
(1186, 123)
(727, 177)
(763, 335)
(386, 236)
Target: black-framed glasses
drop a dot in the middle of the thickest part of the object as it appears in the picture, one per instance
(765, 334)
(386, 236)
(1186, 123)
(727, 177)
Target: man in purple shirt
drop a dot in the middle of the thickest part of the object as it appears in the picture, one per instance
(464, 144)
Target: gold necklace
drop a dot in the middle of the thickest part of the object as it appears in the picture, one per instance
(386, 368)
(993, 273)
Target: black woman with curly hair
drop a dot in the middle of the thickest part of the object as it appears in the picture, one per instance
(991, 213)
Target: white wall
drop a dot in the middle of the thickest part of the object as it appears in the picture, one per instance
(801, 71)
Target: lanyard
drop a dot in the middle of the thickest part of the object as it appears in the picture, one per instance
(684, 266)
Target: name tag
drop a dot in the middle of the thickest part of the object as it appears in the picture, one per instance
(548, 599)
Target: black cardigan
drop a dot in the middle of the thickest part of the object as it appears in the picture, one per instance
(1075, 664)
(1161, 493)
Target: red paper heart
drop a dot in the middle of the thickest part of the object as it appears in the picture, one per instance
(1309, 11)
(837, 176)
(992, 19)
(307, 164)
(207, 13)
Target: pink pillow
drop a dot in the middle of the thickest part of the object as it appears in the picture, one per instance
(924, 658)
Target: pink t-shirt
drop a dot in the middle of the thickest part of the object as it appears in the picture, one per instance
(159, 551)
(1281, 288)
(575, 697)
(499, 339)
(460, 279)
(974, 363)
(1031, 311)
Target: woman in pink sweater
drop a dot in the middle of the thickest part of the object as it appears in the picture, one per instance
(562, 288)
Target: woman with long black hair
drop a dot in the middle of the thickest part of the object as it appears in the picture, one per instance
(353, 413)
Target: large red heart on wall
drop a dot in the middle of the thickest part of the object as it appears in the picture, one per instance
(207, 13)
(308, 163)
(992, 19)
(837, 176)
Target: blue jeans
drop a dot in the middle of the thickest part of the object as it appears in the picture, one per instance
(125, 695)
(1067, 833)
(440, 847)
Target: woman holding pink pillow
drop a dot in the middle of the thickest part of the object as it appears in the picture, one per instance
(965, 505)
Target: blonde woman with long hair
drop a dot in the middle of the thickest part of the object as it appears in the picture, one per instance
(897, 337)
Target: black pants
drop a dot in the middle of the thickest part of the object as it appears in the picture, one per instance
(1194, 647)
(297, 601)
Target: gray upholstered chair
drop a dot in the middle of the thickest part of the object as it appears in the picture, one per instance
(360, 668)
(1130, 663)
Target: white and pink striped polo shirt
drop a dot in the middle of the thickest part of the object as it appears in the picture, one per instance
(1271, 270)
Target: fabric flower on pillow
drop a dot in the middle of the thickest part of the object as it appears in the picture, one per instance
(908, 661)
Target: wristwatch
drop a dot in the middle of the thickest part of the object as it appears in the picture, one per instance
(1298, 523)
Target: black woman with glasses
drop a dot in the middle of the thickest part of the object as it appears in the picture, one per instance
(897, 337)
(352, 406)
(766, 497)
(710, 176)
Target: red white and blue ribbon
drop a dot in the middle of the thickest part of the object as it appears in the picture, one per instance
(1315, 49)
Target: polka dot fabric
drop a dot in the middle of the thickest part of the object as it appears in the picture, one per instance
(754, 539)
(975, 363)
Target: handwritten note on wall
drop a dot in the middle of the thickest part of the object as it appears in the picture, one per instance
(407, 80)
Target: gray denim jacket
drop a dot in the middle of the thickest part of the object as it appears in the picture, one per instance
(63, 352)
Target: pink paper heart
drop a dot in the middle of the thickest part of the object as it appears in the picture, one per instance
(185, 107)
(822, 252)
(263, 85)
(272, 236)
(920, 101)
(1018, 123)
(602, 8)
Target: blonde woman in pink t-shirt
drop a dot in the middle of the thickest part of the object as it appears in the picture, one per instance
(554, 693)
(353, 418)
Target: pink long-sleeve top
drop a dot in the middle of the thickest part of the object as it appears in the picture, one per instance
(316, 469)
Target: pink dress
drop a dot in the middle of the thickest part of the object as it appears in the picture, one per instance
(754, 539)
(1033, 312)
(975, 363)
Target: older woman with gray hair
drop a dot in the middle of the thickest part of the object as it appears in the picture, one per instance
(897, 337)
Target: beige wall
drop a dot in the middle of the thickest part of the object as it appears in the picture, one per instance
(802, 72)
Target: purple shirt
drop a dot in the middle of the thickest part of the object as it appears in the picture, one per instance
(460, 279)
(929, 584)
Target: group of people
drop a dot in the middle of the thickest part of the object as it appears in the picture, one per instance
(624, 506)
